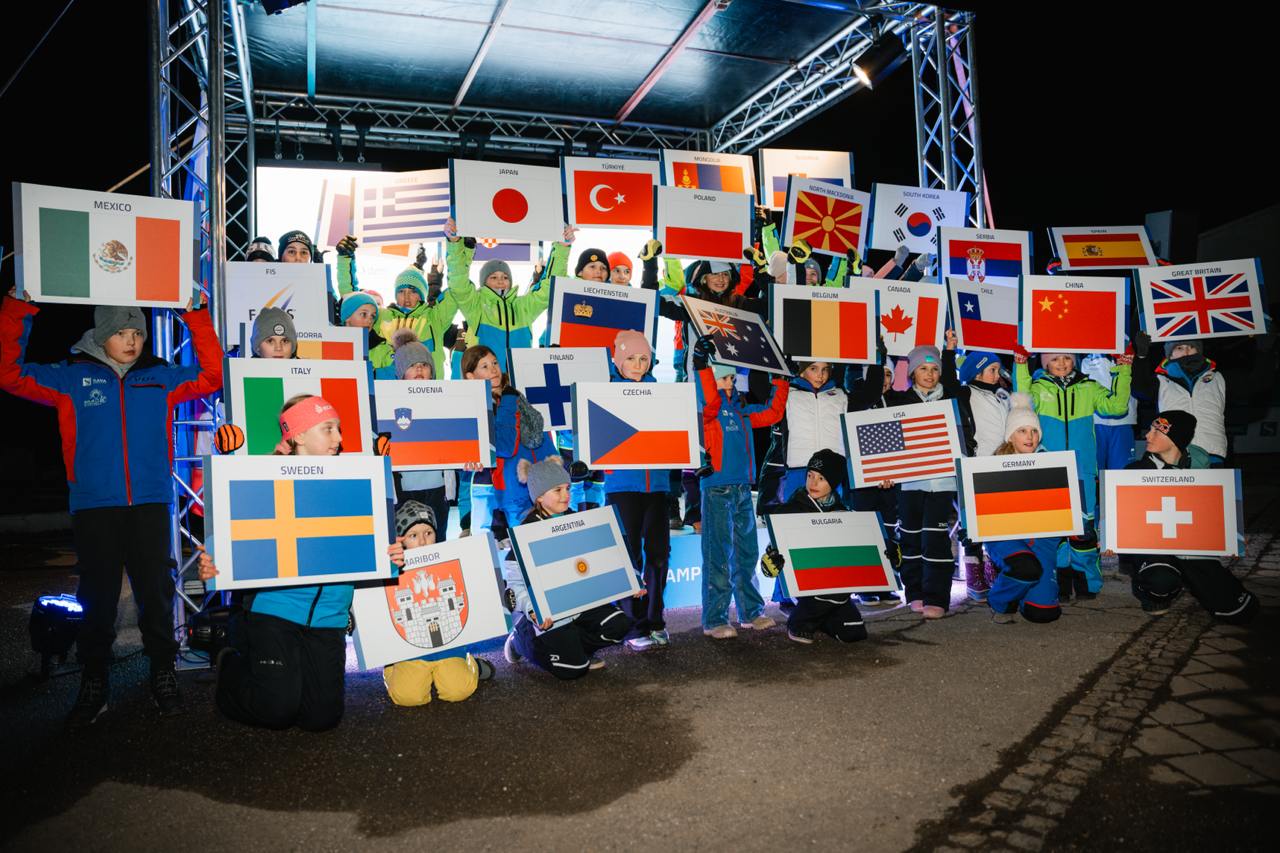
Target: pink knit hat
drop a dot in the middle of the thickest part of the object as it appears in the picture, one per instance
(629, 343)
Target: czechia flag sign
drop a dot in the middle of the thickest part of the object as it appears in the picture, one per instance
(636, 425)
(506, 201)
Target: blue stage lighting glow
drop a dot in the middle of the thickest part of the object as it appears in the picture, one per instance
(66, 602)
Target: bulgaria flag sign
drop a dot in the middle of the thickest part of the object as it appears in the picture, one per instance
(705, 170)
(826, 323)
(636, 425)
(986, 315)
(1103, 248)
(912, 314)
(1021, 496)
(103, 248)
(1060, 314)
(831, 219)
(713, 226)
(778, 165)
(832, 553)
(1191, 512)
(911, 216)
(984, 255)
(603, 193)
(255, 390)
(505, 201)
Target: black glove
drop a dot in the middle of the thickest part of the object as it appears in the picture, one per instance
(705, 471)
(450, 337)
(882, 351)
(579, 471)
(800, 252)
(855, 262)
(650, 250)
(1141, 344)
(772, 562)
(893, 553)
(962, 537)
(469, 242)
(703, 349)
(347, 246)
(509, 599)
(351, 623)
(420, 260)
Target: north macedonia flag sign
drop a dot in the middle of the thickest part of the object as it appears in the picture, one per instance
(829, 218)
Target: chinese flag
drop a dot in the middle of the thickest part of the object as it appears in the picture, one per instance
(1072, 320)
(1190, 517)
(613, 198)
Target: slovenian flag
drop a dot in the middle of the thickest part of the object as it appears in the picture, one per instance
(430, 442)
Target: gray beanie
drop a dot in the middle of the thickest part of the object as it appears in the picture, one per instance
(109, 319)
(542, 477)
(1188, 342)
(924, 354)
(812, 263)
(411, 353)
(270, 322)
(491, 267)
(410, 513)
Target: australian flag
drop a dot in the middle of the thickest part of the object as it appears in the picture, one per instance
(1197, 306)
(743, 341)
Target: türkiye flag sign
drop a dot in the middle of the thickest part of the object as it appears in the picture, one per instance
(911, 216)
(832, 553)
(635, 425)
(713, 226)
(545, 375)
(1102, 248)
(591, 313)
(1020, 496)
(281, 521)
(984, 255)
(255, 390)
(912, 314)
(434, 424)
(604, 193)
(1186, 512)
(900, 444)
(1222, 299)
(507, 201)
(103, 248)
(986, 316)
(825, 323)
(831, 219)
(777, 165)
(1063, 314)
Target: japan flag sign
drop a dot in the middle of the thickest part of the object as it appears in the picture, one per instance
(606, 193)
(506, 201)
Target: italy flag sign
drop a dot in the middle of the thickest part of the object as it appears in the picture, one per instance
(256, 389)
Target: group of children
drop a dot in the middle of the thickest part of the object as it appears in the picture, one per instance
(285, 664)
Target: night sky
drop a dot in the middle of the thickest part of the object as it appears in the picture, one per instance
(1091, 115)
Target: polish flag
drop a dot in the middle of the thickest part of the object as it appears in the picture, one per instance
(604, 193)
(505, 201)
(703, 224)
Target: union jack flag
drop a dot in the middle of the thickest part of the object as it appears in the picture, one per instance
(1196, 306)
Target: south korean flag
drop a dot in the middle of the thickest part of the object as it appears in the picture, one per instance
(911, 216)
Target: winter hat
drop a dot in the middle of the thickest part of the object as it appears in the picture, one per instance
(491, 267)
(542, 477)
(413, 279)
(591, 256)
(974, 363)
(1179, 426)
(830, 465)
(296, 237)
(618, 259)
(1021, 414)
(628, 343)
(410, 513)
(923, 354)
(1046, 357)
(720, 371)
(411, 353)
(260, 250)
(352, 302)
(1184, 342)
(270, 322)
(811, 263)
(109, 319)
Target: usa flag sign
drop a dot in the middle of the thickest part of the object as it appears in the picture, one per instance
(1221, 299)
(901, 444)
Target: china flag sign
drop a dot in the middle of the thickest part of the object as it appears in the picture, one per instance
(1172, 511)
(1060, 314)
(604, 193)
(505, 201)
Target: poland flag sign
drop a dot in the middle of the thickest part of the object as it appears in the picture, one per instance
(608, 193)
(703, 225)
(506, 201)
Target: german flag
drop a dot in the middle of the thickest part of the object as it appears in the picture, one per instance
(825, 328)
(1022, 502)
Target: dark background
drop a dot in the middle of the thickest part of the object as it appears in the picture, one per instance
(1091, 115)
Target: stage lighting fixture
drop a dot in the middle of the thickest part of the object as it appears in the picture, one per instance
(207, 631)
(875, 63)
(55, 622)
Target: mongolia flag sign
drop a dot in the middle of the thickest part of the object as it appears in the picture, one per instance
(1222, 299)
(986, 316)
(985, 256)
(280, 521)
(545, 375)
(255, 390)
(826, 323)
(911, 216)
(832, 553)
(434, 424)
(103, 248)
(1191, 512)
(1020, 496)
(574, 562)
(591, 313)
(1061, 314)
(778, 165)
(742, 338)
(604, 193)
(705, 170)
(831, 219)
(912, 314)
(506, 201)
(410, 207)
(713, 226)
(1103, 248)
(636, 425)
(913, 442)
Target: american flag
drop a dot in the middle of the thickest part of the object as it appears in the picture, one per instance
(741, 338)
(402, 212)
(1197, 306)
(911, 448)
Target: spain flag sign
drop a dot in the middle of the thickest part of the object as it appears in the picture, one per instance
(1103, 248)
(831, 219)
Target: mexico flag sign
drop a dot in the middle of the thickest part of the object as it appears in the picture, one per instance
(832, 553)
(1062, 314)
(1102, 248)
(256, 389)
(103, 248)
(831, 219)
(604, 193)
(1173, 511)
(506, 201)
(703, 225)
(1020, 496)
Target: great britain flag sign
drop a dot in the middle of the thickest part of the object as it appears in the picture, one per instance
(1221, 299)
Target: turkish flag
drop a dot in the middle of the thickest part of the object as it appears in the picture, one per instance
(613, 198)
(1181, 516)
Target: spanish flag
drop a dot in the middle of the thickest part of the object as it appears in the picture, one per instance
(1104, 250)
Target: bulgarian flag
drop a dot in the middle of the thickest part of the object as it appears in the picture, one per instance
(831, 566)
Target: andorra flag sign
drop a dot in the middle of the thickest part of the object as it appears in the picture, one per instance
(506, 201)
(328, 343)
(831, 219)
(636, 425)
(1189, 512)
(103, 248)
(832, 324)
(1103, 248)
(1063, 314)
(1021, 496)
(608, 193)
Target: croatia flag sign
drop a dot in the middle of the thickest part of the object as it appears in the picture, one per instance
(913, 442)
(706, 225)
(831, 219)
(1103, 248)
(1062, 314)
(103, 248)
(706, 170)
(742, 338)
(912, 314)
(273, 521)
(1221, 299)
(832, 553)
(636, 425)
(1187, 512)
(984, 255)
(778, 165)
(505, 201)
(545, 375)
(986, 315)
(255, 390)
(591, 313)
(608, 193)
(573, 563)
(410, 207)
(435, 424)
(911, 216)
(1020, 496)
(832, 324)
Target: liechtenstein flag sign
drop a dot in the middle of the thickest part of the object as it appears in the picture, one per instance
(507, 201)
(591, 313)
(636, 425)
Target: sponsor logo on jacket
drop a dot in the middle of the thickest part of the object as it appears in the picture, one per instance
(95, 398)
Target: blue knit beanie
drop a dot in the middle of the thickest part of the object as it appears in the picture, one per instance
(974, 363)
(352, 302)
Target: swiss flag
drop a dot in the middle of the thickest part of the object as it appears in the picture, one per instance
(613, 198)
(1163, 517)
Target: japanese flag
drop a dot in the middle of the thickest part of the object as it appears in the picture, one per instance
(507, 201)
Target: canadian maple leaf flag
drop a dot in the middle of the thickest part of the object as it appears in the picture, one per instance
(911, 315)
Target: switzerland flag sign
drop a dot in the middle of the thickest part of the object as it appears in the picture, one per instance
(1172, 511)
(605, 193)
(505, 201)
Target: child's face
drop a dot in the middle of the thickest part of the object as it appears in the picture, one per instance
(124, 346)
(634, 367)
(1180, 350)
(362, 317)
(420, 535)
(810, 276)
(487, 368)
(1061, 365)
(926, 376)
(296, 253)
(816, 485)
(990, 374)
(716, 282)
(816, 374)
(620, 275)
(555, 501)
(323, 439)
(408, 298)
(1025, 439)
(499, 281)
(725, 383)
(421, 370)
(595, 271)
(275, 346)
(1158, 442)
(888, 380)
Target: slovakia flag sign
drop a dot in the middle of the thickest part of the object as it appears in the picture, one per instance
(506, 201)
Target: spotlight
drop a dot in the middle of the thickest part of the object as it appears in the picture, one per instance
(876, 62)
(55, 622)
(207, 631)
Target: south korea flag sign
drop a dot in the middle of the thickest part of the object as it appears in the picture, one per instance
(911, 216)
